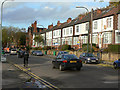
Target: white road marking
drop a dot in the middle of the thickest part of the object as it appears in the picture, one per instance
(111, 82)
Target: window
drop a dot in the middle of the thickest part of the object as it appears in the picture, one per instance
(87, 26)
(77, 28)
(95, 39)
(69, 40)
(63, 41)
(59, 32)
(84, 39)
(70, 30)
(95, 25)
(58, 41)
(107, 39)
(64, 31)
(117, 37)
(109, 22)
(50, 34)
(54, 33)
(76, 40)
(67, 31)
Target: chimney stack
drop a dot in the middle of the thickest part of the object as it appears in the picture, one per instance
(69, 20)
(81, 16)
(50, 26)
(98, 11)
(58, 23)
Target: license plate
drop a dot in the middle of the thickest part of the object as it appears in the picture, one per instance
(93, 61)
(73, 61)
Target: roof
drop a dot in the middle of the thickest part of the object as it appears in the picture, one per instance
(111, 11)
(84, 19)
(104, 13)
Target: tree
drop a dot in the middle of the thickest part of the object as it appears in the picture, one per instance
(39, 39)
(13, 35)
(114, 2)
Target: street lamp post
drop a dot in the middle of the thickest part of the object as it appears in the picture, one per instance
(1, 28)
(88, 28)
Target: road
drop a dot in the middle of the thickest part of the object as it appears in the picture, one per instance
(90, 76)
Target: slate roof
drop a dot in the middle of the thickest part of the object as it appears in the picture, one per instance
(104, 13)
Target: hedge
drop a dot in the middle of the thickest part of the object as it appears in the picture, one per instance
(114, 48)
(64, 47)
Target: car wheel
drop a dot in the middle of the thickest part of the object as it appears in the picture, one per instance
(61, 68)
(115, 66)
(78, 68)
(53, 67)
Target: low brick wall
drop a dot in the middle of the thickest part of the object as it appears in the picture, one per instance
(104, 56)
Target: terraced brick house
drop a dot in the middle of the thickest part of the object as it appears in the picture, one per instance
(105, 30)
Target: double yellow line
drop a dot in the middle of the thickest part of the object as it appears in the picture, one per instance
(49, 85)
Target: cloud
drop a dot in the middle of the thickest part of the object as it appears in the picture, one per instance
(24, 13)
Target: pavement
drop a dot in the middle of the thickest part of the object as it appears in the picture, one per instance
(13, 77)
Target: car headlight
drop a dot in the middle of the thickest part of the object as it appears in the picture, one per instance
(96, 58)
(88, 59)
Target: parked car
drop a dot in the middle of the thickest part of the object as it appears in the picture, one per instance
(21, 54)
(88, 58)
(33, 52)
(64, 61)
(13, 52)
(116, 64)
(62, 52)
(38, 53)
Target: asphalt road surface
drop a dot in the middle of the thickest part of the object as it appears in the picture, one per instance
(90, 76)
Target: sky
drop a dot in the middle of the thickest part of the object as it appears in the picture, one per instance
(23, 14)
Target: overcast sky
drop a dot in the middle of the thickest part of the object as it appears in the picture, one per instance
(22, 14)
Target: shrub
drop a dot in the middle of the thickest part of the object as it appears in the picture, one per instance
(114, 48)
(64, 47)
(47, 48)
(39, 48)
(28, 48)
(36, 48)
(105, 50)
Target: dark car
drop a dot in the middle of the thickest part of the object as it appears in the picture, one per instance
(88, 58)
(66, 61)
(38, 53)
(21, 54)
(34, 52)
(62, 52)
(116, 64)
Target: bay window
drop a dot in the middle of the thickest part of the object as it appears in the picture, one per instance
(107, 38)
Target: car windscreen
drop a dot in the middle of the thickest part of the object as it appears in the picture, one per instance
(65, 52)
(39, 51)
(70, 57)
(13, 50)
(89, 55)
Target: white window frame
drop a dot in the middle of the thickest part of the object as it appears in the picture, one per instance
(95, 25)
(109, 22)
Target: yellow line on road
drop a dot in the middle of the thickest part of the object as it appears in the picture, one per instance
(38, 78)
